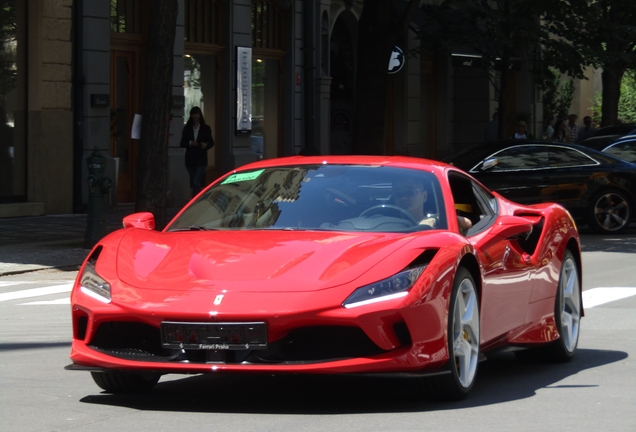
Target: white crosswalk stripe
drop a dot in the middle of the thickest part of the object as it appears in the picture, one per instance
(62, 301)
(36, 292)
(598, 296)
(14, 282)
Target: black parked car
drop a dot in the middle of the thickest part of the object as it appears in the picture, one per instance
(595, 187)
(623, 147)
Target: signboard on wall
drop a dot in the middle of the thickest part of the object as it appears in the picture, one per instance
(466, 60)
(397, 60)
(243, 90)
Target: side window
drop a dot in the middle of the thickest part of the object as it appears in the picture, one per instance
(625, 150)
(561, 157)
(473, 203)
(517, 158)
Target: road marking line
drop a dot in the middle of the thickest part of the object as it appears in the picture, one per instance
(32, 282)
(36, 292)
(62, 301)
(598, 296)
(9, 283)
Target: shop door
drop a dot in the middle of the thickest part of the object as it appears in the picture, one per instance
(123, 148)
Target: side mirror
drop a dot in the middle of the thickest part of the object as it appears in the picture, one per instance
(143, 220)
(489, 163)
(512, 227)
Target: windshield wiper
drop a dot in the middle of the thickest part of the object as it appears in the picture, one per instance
(193, 228)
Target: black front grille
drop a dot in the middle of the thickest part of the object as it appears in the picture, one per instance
(131, 340)
(318, 344)
(142, 342)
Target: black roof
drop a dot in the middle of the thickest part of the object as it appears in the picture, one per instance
(468, 158)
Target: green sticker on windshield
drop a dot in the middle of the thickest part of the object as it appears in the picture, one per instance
(240, 177)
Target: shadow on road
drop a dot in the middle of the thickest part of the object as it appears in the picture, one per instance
(501, 379)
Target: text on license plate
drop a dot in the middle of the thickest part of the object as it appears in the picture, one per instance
(214, 336)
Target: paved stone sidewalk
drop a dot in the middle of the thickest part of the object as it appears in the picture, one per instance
(56, 241)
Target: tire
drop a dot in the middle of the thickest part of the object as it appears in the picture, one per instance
(125, 382)
(463, 341)
(567, 312)
(609, 212)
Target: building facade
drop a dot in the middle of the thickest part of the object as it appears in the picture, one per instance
(271, 77)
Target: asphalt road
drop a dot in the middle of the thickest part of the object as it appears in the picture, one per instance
(594, 392)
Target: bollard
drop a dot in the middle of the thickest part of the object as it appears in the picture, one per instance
(98, 186)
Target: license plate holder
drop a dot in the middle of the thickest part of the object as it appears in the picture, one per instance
(214, 336)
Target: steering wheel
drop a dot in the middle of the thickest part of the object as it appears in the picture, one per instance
(378, 209)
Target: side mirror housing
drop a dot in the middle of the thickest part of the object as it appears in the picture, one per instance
(143, 220)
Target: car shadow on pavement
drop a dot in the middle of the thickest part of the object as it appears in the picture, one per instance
(501, 379)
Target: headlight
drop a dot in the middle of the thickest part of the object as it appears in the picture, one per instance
(94, 285)
(394, 287)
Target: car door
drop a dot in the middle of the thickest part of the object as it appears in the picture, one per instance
(518, 172)
(572, 173)
(507, 285)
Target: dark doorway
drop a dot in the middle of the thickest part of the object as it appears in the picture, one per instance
(342, 62)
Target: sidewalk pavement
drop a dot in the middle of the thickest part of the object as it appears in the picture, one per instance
(44, 242)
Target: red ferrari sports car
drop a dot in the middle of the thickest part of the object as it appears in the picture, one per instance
(330, 265)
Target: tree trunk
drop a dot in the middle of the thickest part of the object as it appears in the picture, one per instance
(153, 148)
(379, 31)
(611, 79)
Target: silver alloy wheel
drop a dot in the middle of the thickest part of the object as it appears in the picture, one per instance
(570, 312)
(611, 211)
(466, 332)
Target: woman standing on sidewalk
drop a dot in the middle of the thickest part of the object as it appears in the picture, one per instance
(197, 140)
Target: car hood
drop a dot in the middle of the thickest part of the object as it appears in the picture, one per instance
(273, 261)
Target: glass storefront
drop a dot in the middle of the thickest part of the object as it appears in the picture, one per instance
(265, 111)
(203, 24)
(199, 89)
(13, 101)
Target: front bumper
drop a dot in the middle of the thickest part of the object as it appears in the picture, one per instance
(306, 334)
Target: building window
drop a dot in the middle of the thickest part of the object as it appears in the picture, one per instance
(267, 61)
(125, 16)
(203, 21)
(200, 65)
(267, 26)
(13, 101)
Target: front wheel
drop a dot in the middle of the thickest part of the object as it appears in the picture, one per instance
(463, 340)
(609, 212)
(125, 382)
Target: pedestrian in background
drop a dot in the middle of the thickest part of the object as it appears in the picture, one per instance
(522, 131)
(197, 140)
(561, 132)
(549, 129)
(586, 130)
(573, 128)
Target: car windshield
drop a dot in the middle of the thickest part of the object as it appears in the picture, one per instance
(319, 197)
